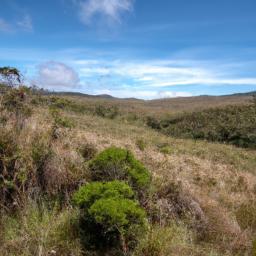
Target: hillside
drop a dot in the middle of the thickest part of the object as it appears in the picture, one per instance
(201, 199)
(161, 107)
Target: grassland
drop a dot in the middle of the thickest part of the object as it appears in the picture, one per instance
(203, 193)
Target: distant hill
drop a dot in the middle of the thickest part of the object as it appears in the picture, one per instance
(200, 97)
(157, 107)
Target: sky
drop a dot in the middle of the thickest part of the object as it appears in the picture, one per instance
(132, 48)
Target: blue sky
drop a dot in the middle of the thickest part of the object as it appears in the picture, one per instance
(132, 48)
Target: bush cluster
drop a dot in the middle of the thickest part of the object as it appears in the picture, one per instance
(232, 124)
(120, 164)
(107, 112)
(14, 101)
(110, 216)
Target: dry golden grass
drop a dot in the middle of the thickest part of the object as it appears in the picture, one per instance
(217, 177)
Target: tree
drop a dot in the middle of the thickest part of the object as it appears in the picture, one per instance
(10, 76)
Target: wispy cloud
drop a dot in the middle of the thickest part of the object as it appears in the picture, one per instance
(111, 10)
(165, 73)
(143, 94)
(25, 23)
(5, 26)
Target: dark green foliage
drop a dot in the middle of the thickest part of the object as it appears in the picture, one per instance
(109, 217)
(141, 144)
(65, 104)
(107, 112)
(120, 164)
(233, 124)
(69, 105)
(153, 123)
(88, 151)
(10, 75)
(9, 155)
(59, 120)
(41, 153)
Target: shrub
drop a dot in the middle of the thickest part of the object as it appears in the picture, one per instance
(153, 123)
(110, 217)
(59, 121)
(120, 164)
(9, 155)
(88, 151)
(68, 105)
(41, 153)
(231, 124)
(107, 112)
(15, 102)
(141, 144)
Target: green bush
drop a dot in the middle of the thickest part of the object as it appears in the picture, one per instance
(108, 112)
(141, 144)
(59, 120)
(232, 124)
(120, 164)
(109, 216)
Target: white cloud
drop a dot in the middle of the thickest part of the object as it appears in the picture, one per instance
(56, 75)
(109, 9)
(5, 26)
(26, 23)
(142, 94)
(171, 94)
(165, 73)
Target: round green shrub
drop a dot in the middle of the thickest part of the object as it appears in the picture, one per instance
(109, 216)
(120, 164)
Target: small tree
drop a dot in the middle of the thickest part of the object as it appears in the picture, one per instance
(110, 217)
(120, 164)
(10, 76)
(14, 99)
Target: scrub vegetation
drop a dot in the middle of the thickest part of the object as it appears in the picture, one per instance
(84, 175)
